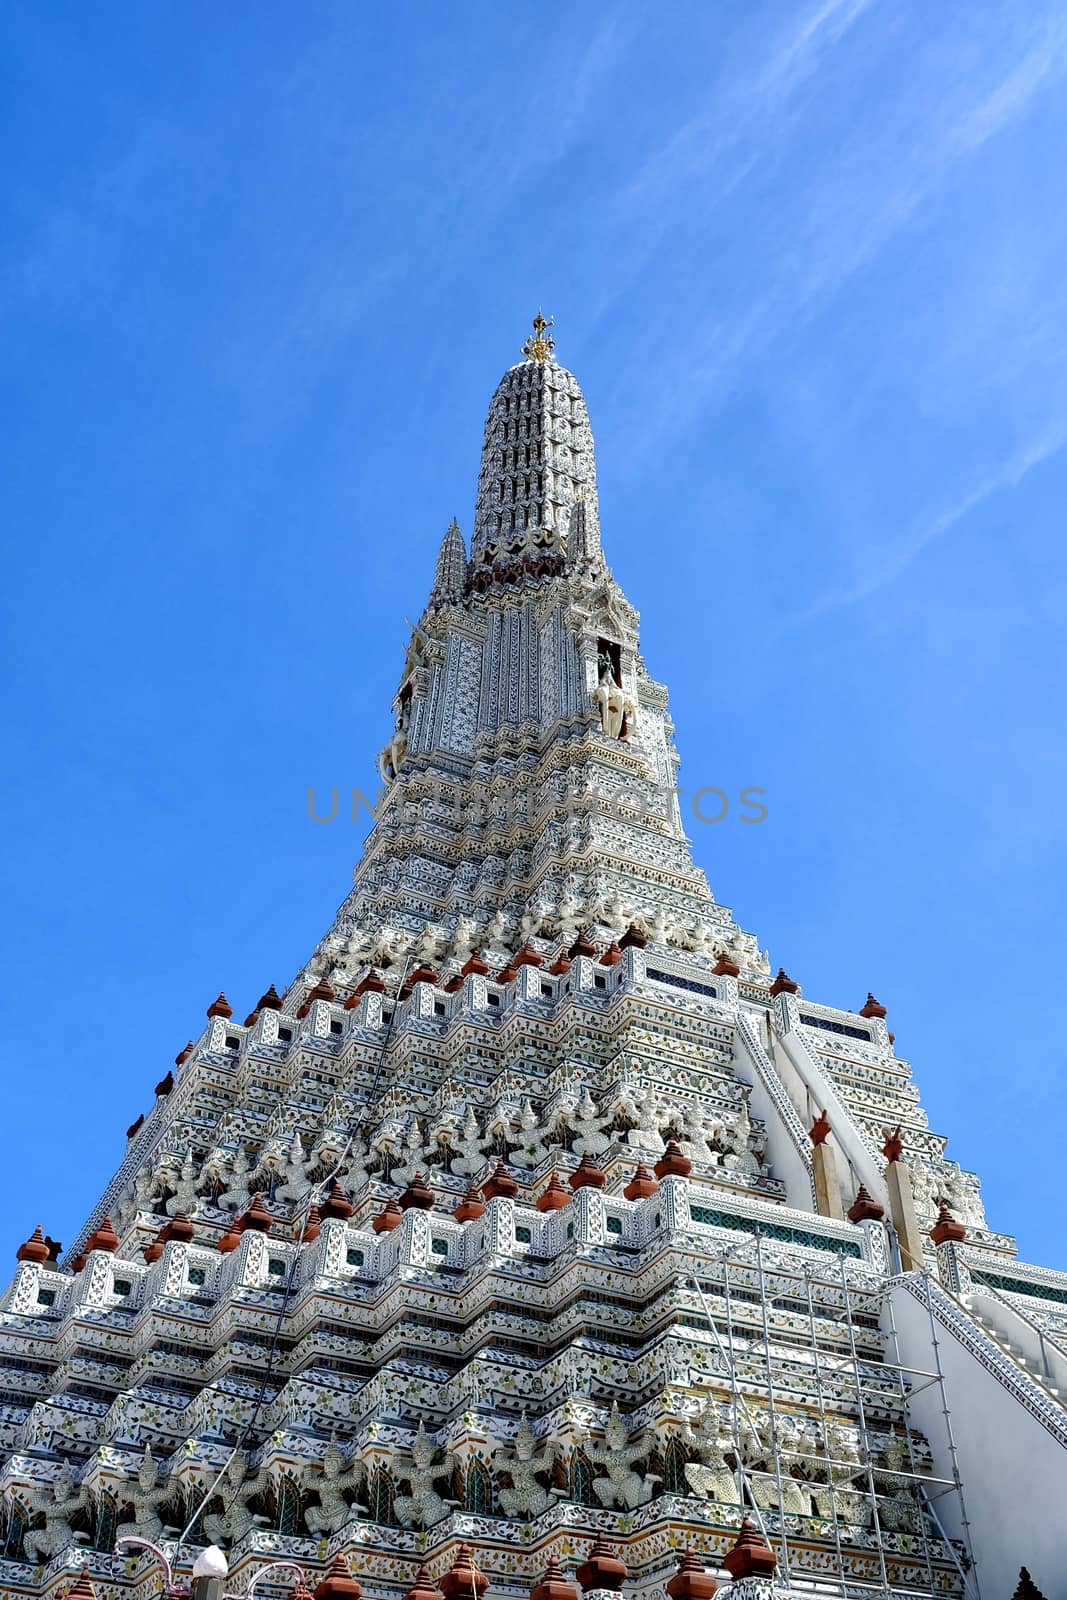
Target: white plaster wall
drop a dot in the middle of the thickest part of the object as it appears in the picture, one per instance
(794, 1048)
(786, 1161)
(1014, 1471)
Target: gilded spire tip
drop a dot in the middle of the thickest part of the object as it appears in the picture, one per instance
(540, 345)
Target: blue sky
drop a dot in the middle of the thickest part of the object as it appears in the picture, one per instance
(262, 269)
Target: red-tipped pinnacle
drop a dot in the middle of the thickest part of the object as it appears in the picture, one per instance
(553, 1196)
(338, 1584)
(602, 1568)
(553, 1584)
(1026, 1588)
(423, 1588)
(418, 1196)
(463, 1578)
(34, 1248)
(820, 1129)
(586, 1175)
(500, 1184)
(257, 1219)
(472, 1206)
(231, 1238)
(641, 1185)
(336, 1206)
(750, 1557)
(672, 1163)
(388, 1218)
(865, 1208)
(103, 1238)
(691, 1582)
(947, 1227)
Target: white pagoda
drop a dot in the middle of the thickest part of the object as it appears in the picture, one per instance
(536, 1233)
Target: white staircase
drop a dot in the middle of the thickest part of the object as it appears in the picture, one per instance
(1004, 1431)
(1020, 1338)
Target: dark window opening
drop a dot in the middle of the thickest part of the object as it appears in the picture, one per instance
(609, 654)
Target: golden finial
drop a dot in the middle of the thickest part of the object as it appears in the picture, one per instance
(541, 344)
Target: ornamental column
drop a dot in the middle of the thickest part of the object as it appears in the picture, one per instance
(824, 1170)
(902, 1205)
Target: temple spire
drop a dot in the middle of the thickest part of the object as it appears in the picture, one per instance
(450, 578)
(537, 460)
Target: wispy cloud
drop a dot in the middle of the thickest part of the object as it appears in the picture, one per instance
(1009, 474)
(842, 211)
(819, 30)
(748, 94)
(722, 145)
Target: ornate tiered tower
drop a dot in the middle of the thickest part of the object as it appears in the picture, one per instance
(535, 1211)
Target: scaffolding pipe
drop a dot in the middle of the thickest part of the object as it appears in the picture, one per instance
(775, 1449)
(742, 1475)
(822, 1417)
(864, 1435)
(908, 1433)
(965, 1522)
(782, 1288)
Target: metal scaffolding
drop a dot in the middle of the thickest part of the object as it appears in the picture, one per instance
(795, 1340)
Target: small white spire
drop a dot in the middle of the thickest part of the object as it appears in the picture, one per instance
(450, 578)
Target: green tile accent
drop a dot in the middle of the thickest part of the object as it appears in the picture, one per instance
(775, 1230)
(1040, 1291)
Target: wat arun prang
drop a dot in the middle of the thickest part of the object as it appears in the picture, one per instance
(538, 1229)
